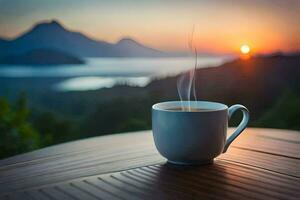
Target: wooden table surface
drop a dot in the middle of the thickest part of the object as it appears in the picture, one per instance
(260, 164)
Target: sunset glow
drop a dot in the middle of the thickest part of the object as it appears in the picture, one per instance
(166, 26)
(245, 49)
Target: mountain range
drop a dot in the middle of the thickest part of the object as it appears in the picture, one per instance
(38, 57)
(52, 35)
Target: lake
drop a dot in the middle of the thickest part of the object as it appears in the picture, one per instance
(98, 73)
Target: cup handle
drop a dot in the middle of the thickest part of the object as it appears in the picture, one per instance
(240, 127)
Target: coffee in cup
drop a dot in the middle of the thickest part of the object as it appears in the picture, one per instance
(194, 132)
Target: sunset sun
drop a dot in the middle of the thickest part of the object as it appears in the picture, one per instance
(245, 49)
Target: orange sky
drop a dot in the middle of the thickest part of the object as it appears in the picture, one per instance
(220, 26)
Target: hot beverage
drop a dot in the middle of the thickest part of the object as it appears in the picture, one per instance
(187, 109)
(194, 132)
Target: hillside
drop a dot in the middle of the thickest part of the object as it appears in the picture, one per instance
(256, 82)
(41, 57)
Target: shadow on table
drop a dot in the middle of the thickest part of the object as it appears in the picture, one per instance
(188, 182)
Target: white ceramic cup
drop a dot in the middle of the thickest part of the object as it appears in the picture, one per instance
(194, 137)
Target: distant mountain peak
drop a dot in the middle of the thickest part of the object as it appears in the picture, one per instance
(49, 24)
(52, 22)
(127, 40)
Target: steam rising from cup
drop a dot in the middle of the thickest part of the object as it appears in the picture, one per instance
(186, 83)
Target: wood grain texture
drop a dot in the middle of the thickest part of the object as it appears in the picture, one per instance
(260, 164)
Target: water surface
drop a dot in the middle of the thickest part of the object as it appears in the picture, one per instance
(106, 72)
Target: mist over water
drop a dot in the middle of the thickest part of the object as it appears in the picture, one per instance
(93, 83)
(99, 73)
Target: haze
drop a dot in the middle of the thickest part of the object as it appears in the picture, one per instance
(221, 26)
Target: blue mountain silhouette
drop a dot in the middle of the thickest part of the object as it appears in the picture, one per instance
(52, 35)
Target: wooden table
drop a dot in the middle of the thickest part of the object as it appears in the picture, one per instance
(260, 164)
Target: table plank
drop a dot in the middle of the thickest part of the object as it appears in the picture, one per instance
(279, 164)
(262, 161)
(222, 180)
(272, 141)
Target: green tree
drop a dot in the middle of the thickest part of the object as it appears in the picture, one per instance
(53, 129)
(16, 133)
(284, 114)
(119, 115)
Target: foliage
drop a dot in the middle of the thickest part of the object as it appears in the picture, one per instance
(20, 131)
(16, 133)
(284, 114)
(119, 115)
(53, 129)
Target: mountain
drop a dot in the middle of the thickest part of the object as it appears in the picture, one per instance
(278, 54)
(127, 47)
(41, 57)
(52, 35)
(3, 46)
